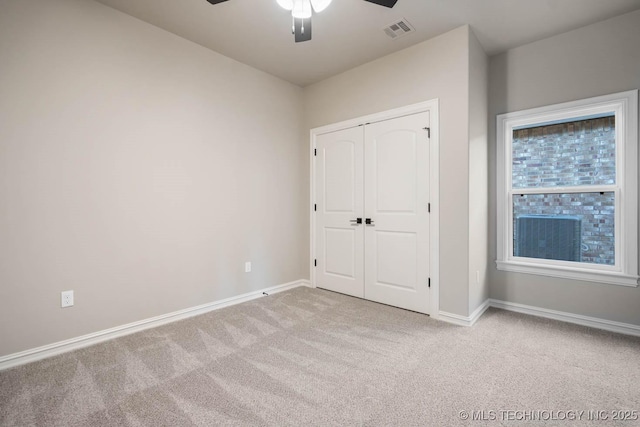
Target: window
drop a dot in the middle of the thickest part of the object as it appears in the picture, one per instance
(567, 190)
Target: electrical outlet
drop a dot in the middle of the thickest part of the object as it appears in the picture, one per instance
(247, 267)
(66, 299)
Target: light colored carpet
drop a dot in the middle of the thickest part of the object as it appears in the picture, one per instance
(313, 357)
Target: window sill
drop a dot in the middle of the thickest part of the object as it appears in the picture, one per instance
(606, 277)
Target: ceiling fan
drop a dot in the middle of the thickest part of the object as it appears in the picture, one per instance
(301, 11)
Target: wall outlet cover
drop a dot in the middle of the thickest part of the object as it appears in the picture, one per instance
(66, 299)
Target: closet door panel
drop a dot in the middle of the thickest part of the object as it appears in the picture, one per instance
(339, 199)
(395, 259)
(395, 186)
(396, 243)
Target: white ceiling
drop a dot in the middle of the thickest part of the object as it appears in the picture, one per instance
(349, 32)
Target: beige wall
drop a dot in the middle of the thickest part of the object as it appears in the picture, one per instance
(142, 170)
(138, 169)
(478, 174)
(595, 60)
(437, 68)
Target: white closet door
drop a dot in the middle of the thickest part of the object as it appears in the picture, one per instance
(396, 200)
(339, 199)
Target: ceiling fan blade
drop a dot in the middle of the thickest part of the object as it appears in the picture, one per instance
(385, 3)
(302, 29)
(215, 1)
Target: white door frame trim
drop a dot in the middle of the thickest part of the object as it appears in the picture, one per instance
(432, 107)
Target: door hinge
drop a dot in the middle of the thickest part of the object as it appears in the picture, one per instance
(315, 152)
(429, 207)
(429, 282)
(315, 262)
(315, 207)
(428, 132)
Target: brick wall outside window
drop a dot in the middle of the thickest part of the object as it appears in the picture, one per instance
(570, 154)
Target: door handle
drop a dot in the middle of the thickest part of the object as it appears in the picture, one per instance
(369, 221)
(356, 221)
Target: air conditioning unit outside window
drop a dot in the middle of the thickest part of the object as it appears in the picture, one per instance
(556, 237)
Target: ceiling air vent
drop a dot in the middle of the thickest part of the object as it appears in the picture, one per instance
(398, 29)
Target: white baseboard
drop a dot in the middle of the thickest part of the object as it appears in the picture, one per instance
(49, 350)
(457, 319)
(593, 322)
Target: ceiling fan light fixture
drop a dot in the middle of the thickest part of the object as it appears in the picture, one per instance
(320, 5)
(301, 9)
(285, 4)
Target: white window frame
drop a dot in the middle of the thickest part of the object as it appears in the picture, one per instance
(624, 106)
